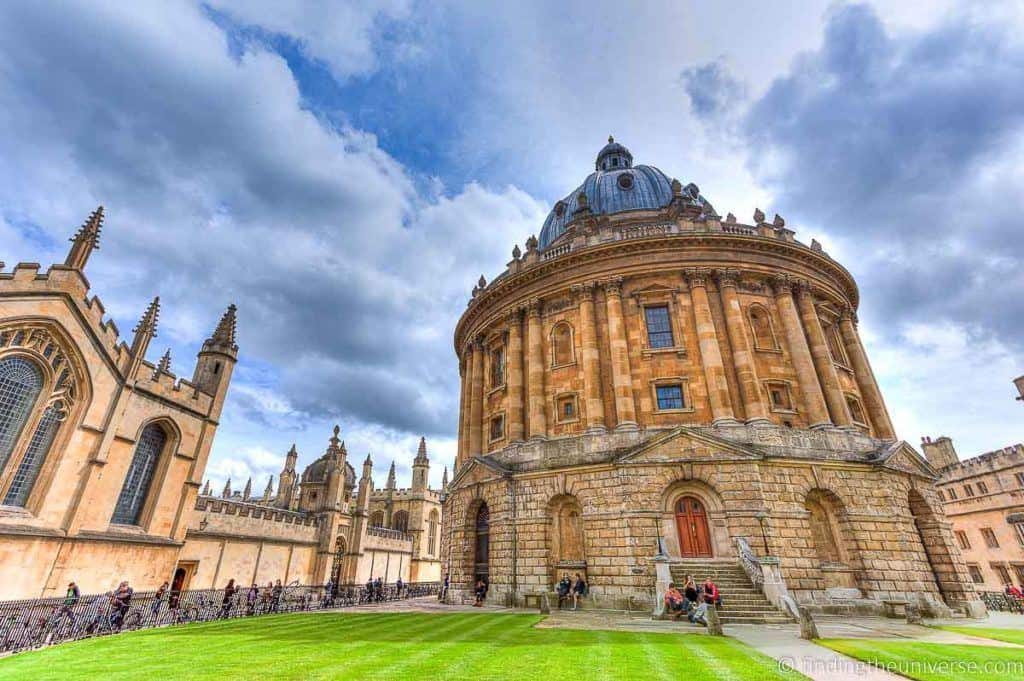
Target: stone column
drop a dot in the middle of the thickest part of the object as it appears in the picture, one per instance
(463, 401)
(467, 401)
(535, 369)
(869, 391)
(823, 364)
(742, 357)
(476, 405)
(817, 412)
(516, 427)
(622, 376)
(593, 404)
(707, 340)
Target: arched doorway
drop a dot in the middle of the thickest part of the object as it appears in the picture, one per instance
(692, 526)
(482, 545)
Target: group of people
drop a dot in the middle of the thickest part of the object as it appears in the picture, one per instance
(573, 589)
(114, 603)
(693, 600)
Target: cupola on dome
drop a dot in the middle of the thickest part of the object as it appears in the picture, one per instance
(615, 186)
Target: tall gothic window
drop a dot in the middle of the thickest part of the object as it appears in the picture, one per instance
(377, 519)
(482, 545)
(140, 475)
(20, 385)
(400, 521)
(35, 455)
(432, 533)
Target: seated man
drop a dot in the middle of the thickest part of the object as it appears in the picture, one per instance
(564, 587)
(699, 615)
(711, 594)
(674, 602)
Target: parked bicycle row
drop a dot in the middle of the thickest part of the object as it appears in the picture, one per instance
(33, 623)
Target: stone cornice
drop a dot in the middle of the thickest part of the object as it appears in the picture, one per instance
(831, 278)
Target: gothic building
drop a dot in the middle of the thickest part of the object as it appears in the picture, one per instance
(102, 457)
(651, 384)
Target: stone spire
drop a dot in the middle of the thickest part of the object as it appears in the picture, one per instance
(145, 330)
(224, 335)
(85, 241)
(247, 492)
(421, 468)
(164, 365)
(444, 479)
(391, 477)
(227, 489)
(287, 480)
(421, 453)
(206, 488)
(268, 492)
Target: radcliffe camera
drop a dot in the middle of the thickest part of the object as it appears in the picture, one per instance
(350, 340)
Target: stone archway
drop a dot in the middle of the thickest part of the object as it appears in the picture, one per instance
(566, 545)
(834, 552)
(705, 532)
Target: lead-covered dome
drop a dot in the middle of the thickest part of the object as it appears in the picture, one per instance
(615, 186)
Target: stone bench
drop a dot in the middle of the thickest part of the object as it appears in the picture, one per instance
(894, 608)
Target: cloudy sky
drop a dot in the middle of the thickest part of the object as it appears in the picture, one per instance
(345, 172)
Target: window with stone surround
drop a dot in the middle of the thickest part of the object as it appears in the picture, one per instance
(952, 494)
(400, 521)
(856, 411)
(976, 575)
(761, 328)
(139, 478)
(962, 540)
(982, 487)
(1020, 478)
(432, 525)
(561, 344)
(942, 495)
(1019, 529)
(659, 327)
(669, 396)
(990, 538)
(779, 396)
(498, 366)
(1003, 573)
(835, 345)
(1019, 571)
(497, 431)
(968, 490)
(567, 408)
(377, 519)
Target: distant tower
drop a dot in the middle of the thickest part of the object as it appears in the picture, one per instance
(939, 452)
(217, 360)
(391, 477)
(268, 492)
(227, 489)
(85, 241)
(421, 468)
(286, 481)
(444, 479)
(247, 492)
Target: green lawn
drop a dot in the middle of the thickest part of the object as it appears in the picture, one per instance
(935, 661)
(393, 646)
(1006, 635)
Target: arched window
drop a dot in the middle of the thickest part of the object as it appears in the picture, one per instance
(482, 544)
(761, 327)
(432, 533)
(400, 521)
(140, 475)
(20, 385)
(377, 519)
(35, 455)
(561, 344)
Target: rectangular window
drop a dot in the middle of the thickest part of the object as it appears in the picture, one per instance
(976, 575)
(1019, 527)
(497, 428)
(778, 395)
(952, 493)
(566, 408)
(982, 487)
(497, 367)
(1019, 571)
(659, 327)
(942, 495)
(990, 538)
(1004, 574)
(669, 397)
(968, 490)
(1020, 478)
(962, 540)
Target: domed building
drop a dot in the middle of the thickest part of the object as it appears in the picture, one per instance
(651, 390)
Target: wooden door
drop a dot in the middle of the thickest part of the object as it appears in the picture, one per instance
(692, 525)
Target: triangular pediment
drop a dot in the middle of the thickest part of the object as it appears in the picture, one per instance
(687, 444)
(902, 457)
(477, 470)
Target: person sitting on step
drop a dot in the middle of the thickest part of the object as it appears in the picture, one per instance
(579, 590)
(564, 587)
(699, 615)
(675, 604)
(691, 594)
(711, 593)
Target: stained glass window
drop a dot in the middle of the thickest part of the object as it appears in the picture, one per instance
(20, 384)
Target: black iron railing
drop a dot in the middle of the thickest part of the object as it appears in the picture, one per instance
(1002, 602)
(39, 622)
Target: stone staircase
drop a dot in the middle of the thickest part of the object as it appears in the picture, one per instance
(742, 603)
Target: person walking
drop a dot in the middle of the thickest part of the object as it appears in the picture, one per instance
(158, 599)
(228, 601)
(121, 602)
(276, 595)
(71, 598)
(250, 599)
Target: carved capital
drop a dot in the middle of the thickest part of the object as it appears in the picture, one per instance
(847, 313)
(729, 276)
(612, 287)
(584, 291)
(477, 343)
(697, 276)
(801, 287)
(781, 284)
(514, 315)
(534, 307)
